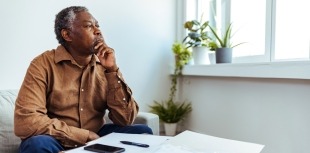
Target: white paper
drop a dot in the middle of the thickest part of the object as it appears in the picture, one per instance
(185, 142)
(193, 142)
(114, 139)
(168, 148)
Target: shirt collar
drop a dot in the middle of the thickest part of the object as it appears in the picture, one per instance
(61, 54)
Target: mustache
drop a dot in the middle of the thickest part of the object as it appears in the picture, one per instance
(96, 41)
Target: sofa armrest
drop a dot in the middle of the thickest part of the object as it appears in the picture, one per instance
(150, 119)
(9, 143)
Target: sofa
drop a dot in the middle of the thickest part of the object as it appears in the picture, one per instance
(9, 143)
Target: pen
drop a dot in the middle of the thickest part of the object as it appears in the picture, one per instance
(135, 144)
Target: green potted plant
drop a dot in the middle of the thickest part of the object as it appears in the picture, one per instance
(222, 45)
(197, 36)
(171, 112)
(198, 40)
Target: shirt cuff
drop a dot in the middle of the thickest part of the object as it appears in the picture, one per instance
(114, 80)
(78, 138)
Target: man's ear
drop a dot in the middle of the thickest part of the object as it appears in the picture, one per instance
(66, 35)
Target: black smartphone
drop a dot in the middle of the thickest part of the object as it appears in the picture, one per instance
(101, 148)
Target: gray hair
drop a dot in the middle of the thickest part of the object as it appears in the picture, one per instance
(64, 20)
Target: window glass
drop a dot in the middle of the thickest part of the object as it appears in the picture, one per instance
(248, 18)
(191, 10)
(272, 30)
(292, 30)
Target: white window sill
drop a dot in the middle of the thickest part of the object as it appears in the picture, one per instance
(288, 70)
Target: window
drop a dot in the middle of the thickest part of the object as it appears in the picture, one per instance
(273, 30)
(292, 29)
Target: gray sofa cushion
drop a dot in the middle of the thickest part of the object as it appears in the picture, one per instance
(9, 143)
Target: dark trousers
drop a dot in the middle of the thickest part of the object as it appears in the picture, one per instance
(48, 144)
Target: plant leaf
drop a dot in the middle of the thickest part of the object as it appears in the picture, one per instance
(171, 112)
(217, 37)
(226, 39)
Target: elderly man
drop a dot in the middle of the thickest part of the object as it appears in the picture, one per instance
(66, 91)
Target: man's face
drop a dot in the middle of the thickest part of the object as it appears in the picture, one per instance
(85, 33)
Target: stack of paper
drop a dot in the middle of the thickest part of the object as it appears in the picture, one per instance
(192, 142)
(185, 142)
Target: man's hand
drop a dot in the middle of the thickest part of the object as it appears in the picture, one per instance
(106, 56)
(92, 136)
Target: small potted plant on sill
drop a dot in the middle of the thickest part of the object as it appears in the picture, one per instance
(171, 112)
(222, 45)
(198, 40)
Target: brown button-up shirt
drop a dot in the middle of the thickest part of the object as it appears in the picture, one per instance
(62, 99)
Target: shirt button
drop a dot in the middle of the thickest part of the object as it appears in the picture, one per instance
(81, 109)
(118, 81)
(82, 89)
(75, 145)
(124, 99)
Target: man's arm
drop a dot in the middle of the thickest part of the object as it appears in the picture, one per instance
(123, 108)
(31, 117)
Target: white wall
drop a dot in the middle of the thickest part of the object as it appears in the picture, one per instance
(273, 112)
(140, 31)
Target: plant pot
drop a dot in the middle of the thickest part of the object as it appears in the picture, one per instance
(201, 55)
(223, 55)
(212, 57)
(170, 128)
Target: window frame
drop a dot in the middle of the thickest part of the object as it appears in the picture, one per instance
(264, 66)
(268, 55)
